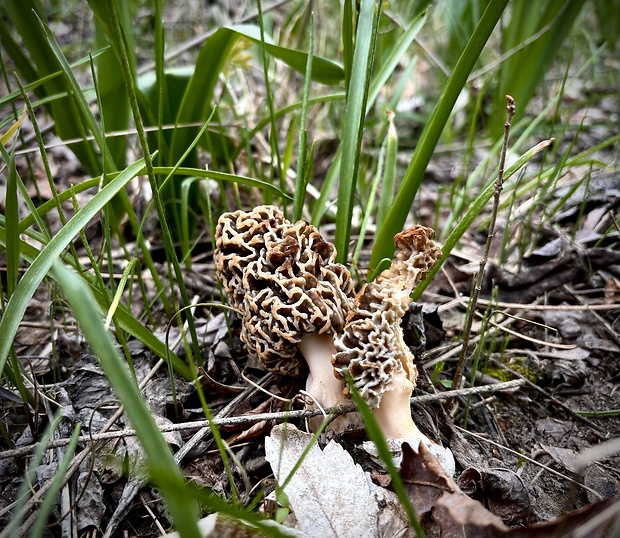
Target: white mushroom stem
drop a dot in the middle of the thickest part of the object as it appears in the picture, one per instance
(322, 384)
(394, 412)
(397, 425)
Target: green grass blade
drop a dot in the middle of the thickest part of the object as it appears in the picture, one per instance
(301, 180)
(197, 101)
(607, 15)
(24, 14)
(376, 436)
(45, 160)
(17, 55)
(322, 204)
(16, 307)
(354, 115)
(383, 74)
(275, 163)
(176, 279)
(48, 206)
(323, 70)
(370, 203)
(313, 441)
(186, 213)
(162, 467)
(123, 318)
(12, 225)
(222, 176)
(161, 109)
(525, 21)
(114, 102)
(43, 235)
(395, 219)
(85, 114)
(235, 511)
(393, 59)
(348, 29)
(33, 86)
(286, 110)
(527, 127)
(389, 174)
(29, 477)
(51, 496)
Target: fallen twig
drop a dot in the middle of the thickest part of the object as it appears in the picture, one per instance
(464, 300)
(280, 416)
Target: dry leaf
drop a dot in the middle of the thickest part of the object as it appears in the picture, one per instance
(329, 493)
(502, 491)
(444, 510)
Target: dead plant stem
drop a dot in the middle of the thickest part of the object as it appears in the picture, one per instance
(499, 183)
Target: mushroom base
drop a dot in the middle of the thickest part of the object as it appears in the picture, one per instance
(394, 417)
(394, 411)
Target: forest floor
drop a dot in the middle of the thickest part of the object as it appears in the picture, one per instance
(527, 453)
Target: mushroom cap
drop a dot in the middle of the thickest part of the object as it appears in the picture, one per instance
(371, 347)
(240, 238)
(284, 279)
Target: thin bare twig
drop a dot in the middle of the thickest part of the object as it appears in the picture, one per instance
(463, 299)
(531, 339)
(602, 322)
(277, 416)
(499, 184)
(205, 427)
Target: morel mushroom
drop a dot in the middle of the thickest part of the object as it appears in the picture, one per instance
(372, 349)
(293, 296)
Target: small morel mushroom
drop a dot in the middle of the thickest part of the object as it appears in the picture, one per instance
(293, 295)
(372, 349)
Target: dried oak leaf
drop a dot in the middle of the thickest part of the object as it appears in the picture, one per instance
(444, 510)
(442, 507)
(328, 492)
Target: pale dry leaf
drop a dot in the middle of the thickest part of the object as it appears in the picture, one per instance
(329, 493)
